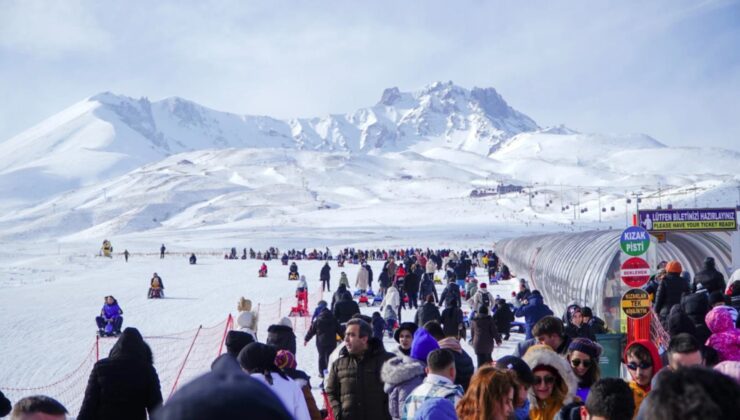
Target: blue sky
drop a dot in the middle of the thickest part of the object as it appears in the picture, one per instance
(670, 69)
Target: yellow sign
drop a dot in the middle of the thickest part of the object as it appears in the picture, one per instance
(636, 303)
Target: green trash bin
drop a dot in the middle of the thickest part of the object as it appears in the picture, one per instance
(611, 357)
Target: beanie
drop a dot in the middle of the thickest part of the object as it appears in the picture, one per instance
(286, 322)
(584, 345)
(257, 356)
(674, 267)
(522, 370)
(483, 285)
(285, 359)
(716, 297)
(422, 345)
(236, 341)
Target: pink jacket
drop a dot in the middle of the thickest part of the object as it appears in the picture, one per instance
(725, 337)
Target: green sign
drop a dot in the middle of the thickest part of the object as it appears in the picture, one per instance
(634, 241)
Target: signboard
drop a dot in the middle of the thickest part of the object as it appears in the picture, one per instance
(636, 303)
(634, 241)
(635, 272)
(688, 219)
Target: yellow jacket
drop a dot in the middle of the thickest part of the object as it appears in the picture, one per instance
(547, 411)
(639, 393)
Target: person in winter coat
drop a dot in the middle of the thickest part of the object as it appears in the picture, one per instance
(583, 356)
(678, 322)
(577, 328)
(124, 385)
(337, 296)
(452, 322)
(378, 325)
(325, 277)
(431, 268)
(503, 317)
(293, 268)
(554, 382)
(427, 312)
(404, 336)
(286, 362)
(369, 276)
(464, 367)
(110, 320)
(354, 386)
(258, 360)
(426, 288)
(390, 305)
(345, 308)
(281, 336)
(411, 287)
(326, 328)
(670, 290)
(402, 374)
(596, 324)
(643, 363)
(5, 405)
(247, 319)
(709, 277)
(343, 280)
(484, 334)
(450, 295)
(725, 336)
(361, 282)
(481, 298)
(696, 307)
(533, 309)
(438, 385)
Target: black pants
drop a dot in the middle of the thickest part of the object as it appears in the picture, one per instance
(324, 353)
(116, 323)
(483, 359)
(413, 300)
(325, 287)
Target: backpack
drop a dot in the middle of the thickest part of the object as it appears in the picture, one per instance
(453, 293)
(485, 299)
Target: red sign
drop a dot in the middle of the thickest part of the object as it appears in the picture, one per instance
(635, 272)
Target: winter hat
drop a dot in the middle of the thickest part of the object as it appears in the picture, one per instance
(236, 341)
(257, 356)
(522, 370)
(716, 297)
(408, 326)
(224, 393)
(285, 359)
(584, 345)
(286, 322)
(674, 267)
(483, 285)
(321, 304)
(422, 345)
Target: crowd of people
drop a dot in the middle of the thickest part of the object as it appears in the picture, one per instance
(553, 372)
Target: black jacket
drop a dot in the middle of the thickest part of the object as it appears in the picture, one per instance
(710, 278)
(584, 331)
(451, 293)
(669, 293)
(427, 312)
(354, 387)
(483, 332)
(124, 385)
(5, 405)
(426, 287)
(338, 295)
(411, 283)
(281, 337)
(503, 317)
(451, 318)
(345, 309)
(326, 329)
(325, 273)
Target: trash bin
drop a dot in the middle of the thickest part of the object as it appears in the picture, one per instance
(611, 357)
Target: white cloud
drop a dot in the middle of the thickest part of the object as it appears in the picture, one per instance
(50, 29)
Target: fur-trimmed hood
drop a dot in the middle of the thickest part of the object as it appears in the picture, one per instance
(398, 370)
(540, 354)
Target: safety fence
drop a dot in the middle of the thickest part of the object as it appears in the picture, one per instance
(178, 357)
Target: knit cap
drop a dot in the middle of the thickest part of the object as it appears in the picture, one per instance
(285, 359)
(584, 345)
(422, 345)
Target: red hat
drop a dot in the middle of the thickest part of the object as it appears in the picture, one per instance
(483, 285)
(674, 267)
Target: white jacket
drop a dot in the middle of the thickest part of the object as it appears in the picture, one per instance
(290, 394)
(362, 279)
(247, 322)
(392, 298)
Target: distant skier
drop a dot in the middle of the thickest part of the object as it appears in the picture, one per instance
(161, 251)
(193, 259)
(126, 254)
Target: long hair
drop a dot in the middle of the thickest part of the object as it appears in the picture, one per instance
(488, 388)
(592, 374)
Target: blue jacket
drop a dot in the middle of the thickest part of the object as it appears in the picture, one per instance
(378, 327)
(436, 409)
(532, 312)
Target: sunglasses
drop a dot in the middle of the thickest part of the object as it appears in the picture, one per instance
(548, 380)
(577, 362)
(641, 365)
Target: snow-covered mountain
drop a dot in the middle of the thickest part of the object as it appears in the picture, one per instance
(112, 165)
